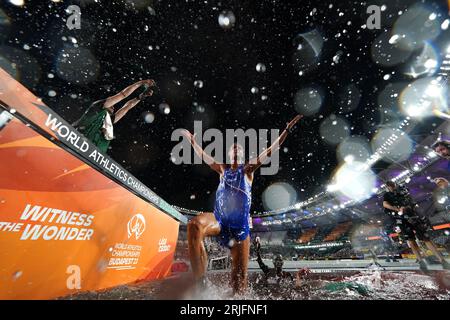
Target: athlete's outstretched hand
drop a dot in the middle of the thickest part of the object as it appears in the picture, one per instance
(254, 164)
(257, 244)
(188, 135)
(292, 123)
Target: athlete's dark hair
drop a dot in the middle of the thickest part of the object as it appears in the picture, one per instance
(238, 145)
(444, 143)
(390, 183)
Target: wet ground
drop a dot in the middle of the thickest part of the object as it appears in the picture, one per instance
(363, 285)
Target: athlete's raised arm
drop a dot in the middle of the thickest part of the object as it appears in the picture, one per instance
(254, 164)
(219, 168)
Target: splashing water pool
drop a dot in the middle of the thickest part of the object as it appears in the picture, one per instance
(363, 285)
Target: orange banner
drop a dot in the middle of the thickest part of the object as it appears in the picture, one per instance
(67, 227)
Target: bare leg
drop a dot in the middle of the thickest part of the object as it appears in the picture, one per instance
(234, 272)
(435, 251)
(198, 228)
(415, 249)
(127, 107)
(240, 253)
(111, 101)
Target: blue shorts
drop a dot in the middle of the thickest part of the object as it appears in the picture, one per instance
(232, 230)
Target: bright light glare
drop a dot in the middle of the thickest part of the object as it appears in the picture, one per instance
(17, 2)
(414, 110)
(433, 90)
(354, 181)
(430, 63)
(432, 154)
(349, 159)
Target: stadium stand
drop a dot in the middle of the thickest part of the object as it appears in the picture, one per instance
(340, 230)
(307, 236)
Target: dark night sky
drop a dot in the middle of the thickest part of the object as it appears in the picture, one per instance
(187, 44)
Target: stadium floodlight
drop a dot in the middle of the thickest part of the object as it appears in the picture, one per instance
(433, 90)
(349, 159)
(332, 187)
(414, 110)
(432, 154)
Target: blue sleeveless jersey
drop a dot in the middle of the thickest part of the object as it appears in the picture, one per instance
(232, 207)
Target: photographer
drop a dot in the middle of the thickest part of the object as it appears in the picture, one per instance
(398, 203)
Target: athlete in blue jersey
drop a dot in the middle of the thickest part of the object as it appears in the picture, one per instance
(231, 217)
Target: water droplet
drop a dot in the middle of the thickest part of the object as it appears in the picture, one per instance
(260, 67)
(17, 275)
(198, 84)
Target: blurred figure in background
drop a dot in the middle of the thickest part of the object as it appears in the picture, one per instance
(398, 203)
(441, 183)
(275, 274)
(442, 148)
(441, 195)
(388, 245)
